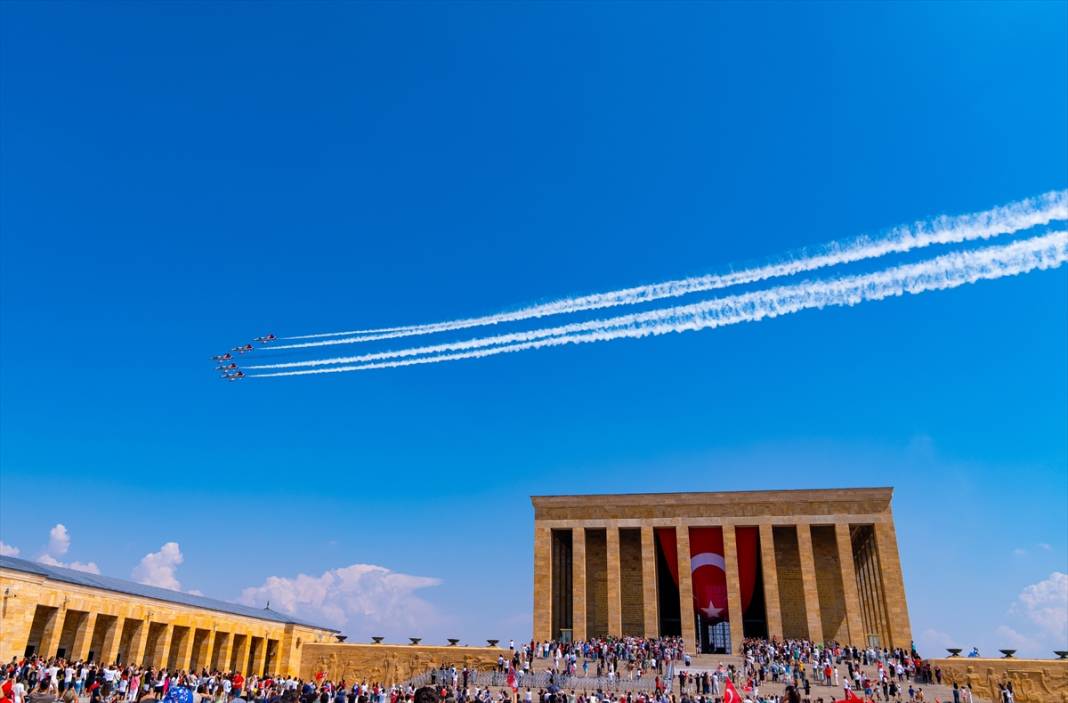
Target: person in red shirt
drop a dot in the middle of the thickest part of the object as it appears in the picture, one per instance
(238, 682)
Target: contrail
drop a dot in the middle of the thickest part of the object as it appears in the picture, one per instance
(943, 272)
(1006, 219)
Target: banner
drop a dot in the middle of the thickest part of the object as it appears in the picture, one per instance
(708, 567)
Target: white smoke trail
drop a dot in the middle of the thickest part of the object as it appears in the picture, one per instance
(943, 272)
(1002, 220)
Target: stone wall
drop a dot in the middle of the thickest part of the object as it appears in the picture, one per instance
(596, 583)
(829, 583)
(791, 589)
(630, 577)
(390, 663)
(1033, 680)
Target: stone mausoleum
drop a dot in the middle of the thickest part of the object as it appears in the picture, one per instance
(718, 567)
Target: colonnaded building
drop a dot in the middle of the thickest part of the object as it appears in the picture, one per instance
(54, 611)
(810, 564)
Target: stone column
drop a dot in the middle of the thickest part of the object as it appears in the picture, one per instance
(83, 637)
(689, 634)
(649, 599)
(163, 647)
(734, 587)
(53, 629)
(112, 638)
(808, 582)
(578, 583)
(543, 621)
(854, 620)
(772, 604)
(615, 614)
(893, 585)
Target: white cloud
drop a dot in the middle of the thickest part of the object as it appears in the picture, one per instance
(157, 568)
(1040, 615)
(1015, 640)
(1045, 604)
(86, 566)
(358, 597)
(931, 642)
(7, 550)
(58, 545)
(58, 541)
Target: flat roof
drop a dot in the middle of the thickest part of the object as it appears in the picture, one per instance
(692, 497)
(131, 588)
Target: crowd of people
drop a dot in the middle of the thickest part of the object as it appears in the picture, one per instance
(622, 658)
(867, 673)
(597, 670)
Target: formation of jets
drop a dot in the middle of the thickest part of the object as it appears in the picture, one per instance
(227, 367)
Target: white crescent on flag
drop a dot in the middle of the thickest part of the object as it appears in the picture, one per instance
(707, 559)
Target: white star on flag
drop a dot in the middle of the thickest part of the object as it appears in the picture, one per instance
(712, 611)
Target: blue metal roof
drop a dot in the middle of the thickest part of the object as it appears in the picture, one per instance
(107, 583)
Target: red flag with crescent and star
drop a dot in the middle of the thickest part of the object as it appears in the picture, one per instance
(850, 698)
(730, 695)
(708, 567)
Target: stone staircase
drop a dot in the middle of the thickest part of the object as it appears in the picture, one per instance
(709, 662)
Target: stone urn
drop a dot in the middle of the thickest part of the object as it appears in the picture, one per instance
(416, 640)
(453, 642)
(1061, 653)
(953, 652)
(377, 640)
(1007, 652)
(341, 638)
(492, 643)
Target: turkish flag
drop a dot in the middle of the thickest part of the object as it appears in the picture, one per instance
(850, 698)
(708, 566)
(729, 694)
(669, 545)
(709, 571)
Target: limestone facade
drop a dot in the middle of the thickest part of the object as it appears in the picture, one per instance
(43, 615)
(829, 564)
(389, 664)
(1033, 680)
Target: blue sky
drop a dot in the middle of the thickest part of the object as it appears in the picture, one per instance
(179, 177)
